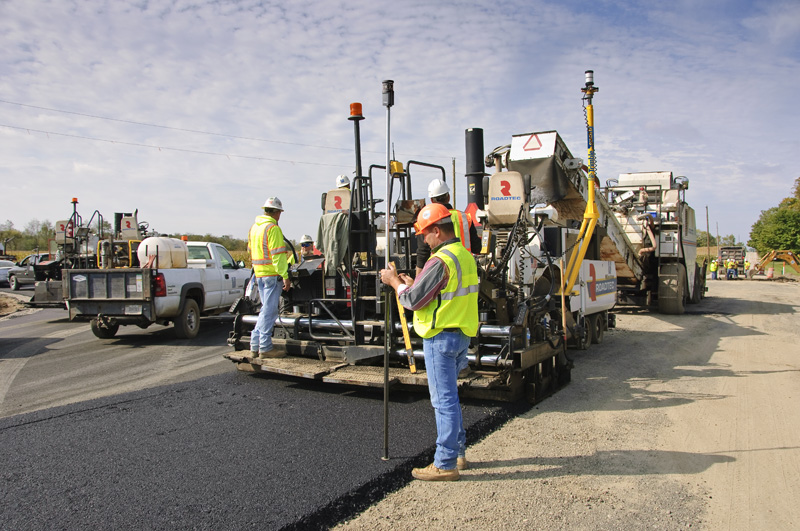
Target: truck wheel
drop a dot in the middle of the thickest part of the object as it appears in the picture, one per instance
(187, 325)
(598, 321)
(13, 283)
(671, 289)
(104, 330)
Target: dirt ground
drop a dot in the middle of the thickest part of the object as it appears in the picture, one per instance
(673, 422)
(10, 304)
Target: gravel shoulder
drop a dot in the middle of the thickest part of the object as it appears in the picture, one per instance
(674, 422)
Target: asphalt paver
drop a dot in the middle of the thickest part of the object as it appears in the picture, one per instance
(231, 451)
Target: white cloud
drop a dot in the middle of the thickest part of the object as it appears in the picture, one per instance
(702, 90)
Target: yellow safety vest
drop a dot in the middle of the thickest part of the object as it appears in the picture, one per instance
(267, 249)
(456, 306)
(461, 226)
(713, 266)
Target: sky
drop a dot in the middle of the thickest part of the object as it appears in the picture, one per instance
(195, 112)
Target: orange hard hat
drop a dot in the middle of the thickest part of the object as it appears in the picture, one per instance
(430, 214)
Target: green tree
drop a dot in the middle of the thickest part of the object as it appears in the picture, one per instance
(793, 203)
(777, 228)
(9, 236)
(729, 240)
(227, 241)
(702, 239)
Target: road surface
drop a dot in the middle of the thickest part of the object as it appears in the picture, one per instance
(675, 422)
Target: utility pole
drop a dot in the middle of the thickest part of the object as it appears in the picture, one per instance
(708, 237)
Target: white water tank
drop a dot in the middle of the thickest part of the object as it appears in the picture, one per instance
(172, 253)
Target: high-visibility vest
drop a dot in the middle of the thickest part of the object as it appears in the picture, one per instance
(461, 225)
(456, 306)
(713, 266)
(267, 249)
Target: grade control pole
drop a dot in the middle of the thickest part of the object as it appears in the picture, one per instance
(388, 101)
(590, 215)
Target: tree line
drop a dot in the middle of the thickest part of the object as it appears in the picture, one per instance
(37, 234)
(778, 228)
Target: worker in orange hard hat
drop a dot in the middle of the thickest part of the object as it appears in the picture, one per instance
(439, 193)
(444, 297)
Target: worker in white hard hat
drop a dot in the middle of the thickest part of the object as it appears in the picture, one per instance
(343, 181)
(439, 192)
(307, 247)
(269, 256)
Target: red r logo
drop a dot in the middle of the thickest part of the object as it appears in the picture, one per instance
(337, 202)
(127, 224)
(505, 186)
(592, 283)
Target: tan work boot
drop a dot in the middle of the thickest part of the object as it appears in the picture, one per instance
(431, 473)
(462, 463)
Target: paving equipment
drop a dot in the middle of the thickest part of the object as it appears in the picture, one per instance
(339, 326)
(641, 221)
(75, 245)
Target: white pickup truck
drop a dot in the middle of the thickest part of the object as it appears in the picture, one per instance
(209, 283)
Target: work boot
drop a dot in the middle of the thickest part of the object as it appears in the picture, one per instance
(462, 463)
(431, 473)
(465, 372)
(272, 353)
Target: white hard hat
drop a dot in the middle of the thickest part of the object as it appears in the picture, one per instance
(273, 203)
(342, 181)
(306, 239)
(437, 188)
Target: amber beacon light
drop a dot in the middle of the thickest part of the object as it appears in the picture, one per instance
(355, 111)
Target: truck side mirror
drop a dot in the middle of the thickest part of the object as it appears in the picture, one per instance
(240, 264)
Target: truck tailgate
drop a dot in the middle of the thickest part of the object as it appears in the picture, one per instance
(122, 292)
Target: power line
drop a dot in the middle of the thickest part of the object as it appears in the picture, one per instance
(184, 150)
(185, 130)
(133, 122)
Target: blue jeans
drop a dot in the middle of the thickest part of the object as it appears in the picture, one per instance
(269, 289)
(445, 355)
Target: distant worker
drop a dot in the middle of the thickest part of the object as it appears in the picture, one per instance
(729, 266)
(713, 266)
(307, 247)
(270, 265)
(465, 230)
(444, 297)
(342, 181)
(746, 268)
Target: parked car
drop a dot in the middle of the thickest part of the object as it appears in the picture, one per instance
(5, 265)
(22, 273)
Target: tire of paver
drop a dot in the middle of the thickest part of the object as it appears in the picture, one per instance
(672, 289)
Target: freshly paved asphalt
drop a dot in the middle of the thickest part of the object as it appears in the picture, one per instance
(231, 451)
